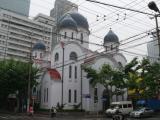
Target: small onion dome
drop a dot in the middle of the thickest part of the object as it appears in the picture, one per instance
(68, 22)
(111, 37)
(39, 46)
(70, 19)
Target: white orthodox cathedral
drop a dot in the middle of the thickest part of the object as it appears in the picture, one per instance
(64, 81)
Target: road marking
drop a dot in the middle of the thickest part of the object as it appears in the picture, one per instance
(3, 117)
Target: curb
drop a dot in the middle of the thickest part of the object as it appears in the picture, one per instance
(59, 115)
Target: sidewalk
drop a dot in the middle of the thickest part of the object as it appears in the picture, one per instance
(62, 114)
(71, 114)
(59, 114)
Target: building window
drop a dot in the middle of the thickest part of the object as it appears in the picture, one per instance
(44, 95)
(47, 94)
(95, 95)
(40, 55)
(73, 56)
(37, 95)
(111, 47)
(56, 57)
(75, 96)
(65, 34)
(70, 71)
(72, 36)
(120, 65)
(69, 96)
(75, 70)
(35, 55)
(81, 38)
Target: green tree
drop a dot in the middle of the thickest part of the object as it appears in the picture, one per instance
(143, 77)
(152, 80)
(14, 77)
(134, 74)
(140, 77)
(118, 81)
(103, 76)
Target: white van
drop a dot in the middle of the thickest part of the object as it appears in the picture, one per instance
(124, 107)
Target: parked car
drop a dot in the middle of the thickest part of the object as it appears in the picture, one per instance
(112, 110)
(142, 112)
(149, 103)
(123, 107)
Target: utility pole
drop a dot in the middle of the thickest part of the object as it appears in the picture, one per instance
(157, 31)
(29, 76)
(152, 5)
(62, 45)
(81, 89)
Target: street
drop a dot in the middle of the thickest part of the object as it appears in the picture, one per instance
(13, 117)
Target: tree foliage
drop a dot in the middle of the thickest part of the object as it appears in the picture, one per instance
(14, 77)
(141, 77)
(102, 76)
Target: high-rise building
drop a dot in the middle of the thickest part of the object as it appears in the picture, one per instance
(60, 8)
(17, 6)
(153, 48)
(19, 33)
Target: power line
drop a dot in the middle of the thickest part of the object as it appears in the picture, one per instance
(82, 6)
(121, 7)
(97, 36)
(134, 40)
(111, 24)
(107, 52)
(115, 11)
(97, 43)
(133, 53)
(87, 41)
(140, 44)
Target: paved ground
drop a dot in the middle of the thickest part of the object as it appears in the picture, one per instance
(38, 117)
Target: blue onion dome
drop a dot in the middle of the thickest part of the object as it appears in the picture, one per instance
(111, 37)
(39, 46)
(80, 20)
(68, 22)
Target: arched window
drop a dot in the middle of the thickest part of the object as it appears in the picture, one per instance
(72, 36)
(56, 57)
(35, 55)
(65, 35)
(75, 96)
(120, 65)
(41, 55)
(111, 47)
(75, 70)
(70, 71)
(69, 96)
(73, 56)
(81, 38)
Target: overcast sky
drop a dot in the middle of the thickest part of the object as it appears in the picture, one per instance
(101, 18)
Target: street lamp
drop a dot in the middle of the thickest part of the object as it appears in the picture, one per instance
(152, 5)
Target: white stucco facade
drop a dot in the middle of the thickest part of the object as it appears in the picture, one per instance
(73, 46)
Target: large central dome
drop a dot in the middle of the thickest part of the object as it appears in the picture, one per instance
(77, 18)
